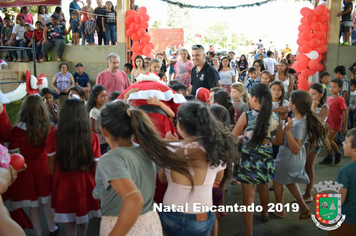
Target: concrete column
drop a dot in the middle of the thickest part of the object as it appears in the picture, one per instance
(121, 8)
(333, 36)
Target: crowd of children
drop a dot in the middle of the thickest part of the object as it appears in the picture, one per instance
(114, 150)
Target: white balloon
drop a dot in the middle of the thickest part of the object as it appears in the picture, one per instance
(313, 55)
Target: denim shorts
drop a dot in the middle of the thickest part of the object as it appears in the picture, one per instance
(90, 38)
(181, 224)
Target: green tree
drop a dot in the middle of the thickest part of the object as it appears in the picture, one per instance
(217, 35)
(156, 24)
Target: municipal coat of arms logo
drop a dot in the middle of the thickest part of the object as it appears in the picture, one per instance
(328, 206)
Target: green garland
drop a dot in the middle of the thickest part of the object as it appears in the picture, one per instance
(183, 5)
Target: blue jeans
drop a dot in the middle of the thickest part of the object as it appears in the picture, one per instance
(110, 34)
(181, 224)
(18, 43)
(38, 51)
(352, 119)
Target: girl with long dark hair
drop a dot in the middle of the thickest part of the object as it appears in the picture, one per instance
(260, 128)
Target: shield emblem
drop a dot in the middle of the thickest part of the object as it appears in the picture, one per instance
(328, 208)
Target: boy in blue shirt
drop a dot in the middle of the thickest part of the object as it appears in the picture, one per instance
(347, 177)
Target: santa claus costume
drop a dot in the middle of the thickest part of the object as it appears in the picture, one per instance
(150, 85)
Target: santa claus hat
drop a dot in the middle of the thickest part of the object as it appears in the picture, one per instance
(148, 77)
(202, 94)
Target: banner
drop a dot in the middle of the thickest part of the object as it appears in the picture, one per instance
(21, 3)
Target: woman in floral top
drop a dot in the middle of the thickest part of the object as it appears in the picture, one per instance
(53, 35)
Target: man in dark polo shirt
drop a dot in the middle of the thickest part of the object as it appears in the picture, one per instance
(82, 79)
(203, 74)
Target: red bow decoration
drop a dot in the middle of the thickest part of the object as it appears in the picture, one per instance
(39, 81)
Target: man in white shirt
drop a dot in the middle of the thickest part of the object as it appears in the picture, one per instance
(17, 36)
(270, 62)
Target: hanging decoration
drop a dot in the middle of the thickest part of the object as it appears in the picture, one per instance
(312, 43)
(184, 5)
(136, 25)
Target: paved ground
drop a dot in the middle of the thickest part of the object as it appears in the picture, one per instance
(232, 223)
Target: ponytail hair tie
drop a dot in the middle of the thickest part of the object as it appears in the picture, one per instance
(129, 111)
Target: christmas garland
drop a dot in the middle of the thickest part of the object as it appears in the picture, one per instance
(183, 5)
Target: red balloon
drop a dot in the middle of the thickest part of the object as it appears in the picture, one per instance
(303, 20)
(143, 25)
(138, 19)
(303, 64)
(310, 18)
(135, 37)
(320, 10)
(301, 41)
(299, 49)
(316, 26)
(314, 42)
(306, 48)
(319, 34)
(151, 45)
(134, 26)
(147, 50)
(306, 73)
(323, 41)
(322, 19)
(133, 59)
(320, 57)
(307, 35)
(304, 27)
(141, 32)
(321, 49)
(313, 65)
(303, 83)
(129, 20)
(302, 57)
(320, 67)
(17, 161)
(306, 11)
(295, 67)
(135, 47)
(146, 17)
(142, 11)
(131, 13)
(299, 35)
(129, 32)
(325, 27)
(146, 38)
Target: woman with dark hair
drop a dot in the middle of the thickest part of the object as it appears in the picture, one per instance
(43, 15)
(53, 35)
(224, 99)
(99, 11)
(283, 76)
(242, 67)
(139, 68)
(108, 23)
(126, 174)
(227, 74)
(59, 13)
(62, 81)
(210, 148)
(72, 152)
(291, 59)
(25, 12)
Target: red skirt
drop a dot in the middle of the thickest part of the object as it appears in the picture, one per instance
(72, 198)
(32, 186)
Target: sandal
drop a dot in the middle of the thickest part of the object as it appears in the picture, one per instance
(279, 215)
(305, 216)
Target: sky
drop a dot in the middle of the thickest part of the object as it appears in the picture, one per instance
(277, 21)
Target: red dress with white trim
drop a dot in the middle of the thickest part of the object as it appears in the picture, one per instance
(72, 198)
(33, 185)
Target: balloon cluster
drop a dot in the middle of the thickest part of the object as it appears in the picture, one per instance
(136, 25)
(312, 43)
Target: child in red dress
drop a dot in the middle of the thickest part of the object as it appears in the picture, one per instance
(33, 185)
(72, 151)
